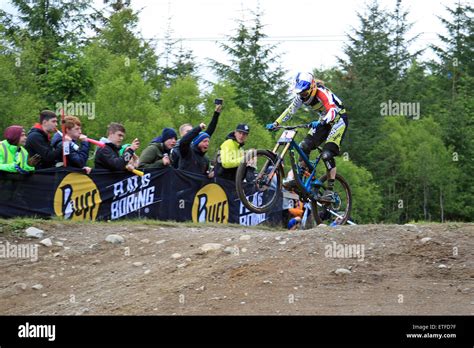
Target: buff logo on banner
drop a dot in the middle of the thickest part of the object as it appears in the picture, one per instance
(211, 205)
(77, 198)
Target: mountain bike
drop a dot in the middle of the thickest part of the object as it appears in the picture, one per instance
(260, 190)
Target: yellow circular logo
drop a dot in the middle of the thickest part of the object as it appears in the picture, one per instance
(77, 198)
(211, 205)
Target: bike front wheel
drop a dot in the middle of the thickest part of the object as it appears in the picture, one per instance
(258, 181)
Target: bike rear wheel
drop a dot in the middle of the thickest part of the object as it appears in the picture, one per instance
(326, 212)
(256, 190)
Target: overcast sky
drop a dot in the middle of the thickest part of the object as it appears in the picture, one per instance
(310, 33)
(323, 23)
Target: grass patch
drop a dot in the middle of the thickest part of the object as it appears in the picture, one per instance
(17, 226)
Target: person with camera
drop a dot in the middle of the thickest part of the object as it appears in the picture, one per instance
(109, 156)
(194, 145)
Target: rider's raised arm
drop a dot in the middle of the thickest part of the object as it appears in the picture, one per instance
(290, 110)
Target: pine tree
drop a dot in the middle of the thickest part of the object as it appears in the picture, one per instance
(254, 71)
(48, 23)
(401, 56)
(178, 61)
(120, 37)
(399, 26)
(456, 55)
(367, 76)
(454, 83)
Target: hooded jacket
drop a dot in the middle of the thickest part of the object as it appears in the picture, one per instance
(176, 153)
(229, 158)
(152, 156)
(78, 156)
(109, 157)
(37, 142)
(192, 159)
(11, 155)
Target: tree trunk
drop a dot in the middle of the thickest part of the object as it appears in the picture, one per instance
(441, 203)
(425, 199)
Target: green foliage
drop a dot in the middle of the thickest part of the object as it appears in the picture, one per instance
(180, 102)
(254, 72)
(366, 195)
(459, 43)
(122, 96)
(177, 63)
(423, 187)
(231, 116)
(120, 38)
(400, 169)
(69, 76)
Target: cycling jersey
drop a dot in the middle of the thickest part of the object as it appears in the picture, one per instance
(322, 100)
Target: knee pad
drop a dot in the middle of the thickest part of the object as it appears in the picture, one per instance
(328, 158)
(306, 146)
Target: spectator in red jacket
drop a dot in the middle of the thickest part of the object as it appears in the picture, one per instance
(38, 141)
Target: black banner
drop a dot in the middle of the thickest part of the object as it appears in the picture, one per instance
(163, 194)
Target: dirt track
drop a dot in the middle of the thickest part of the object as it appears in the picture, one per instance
(274, 272)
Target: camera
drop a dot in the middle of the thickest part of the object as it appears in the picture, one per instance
(218, 101)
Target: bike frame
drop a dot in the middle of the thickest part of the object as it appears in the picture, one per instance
(311, 166)
(305, 186)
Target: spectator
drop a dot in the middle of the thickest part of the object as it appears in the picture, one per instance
(156, 155)
(231, 152)
(109, 156)
(186, 128)
(193, 147)
(13, 155)
(175, 154)
(78, 155)
(294, 223)
(38, 141)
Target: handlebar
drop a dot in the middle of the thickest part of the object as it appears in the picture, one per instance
(306, 125)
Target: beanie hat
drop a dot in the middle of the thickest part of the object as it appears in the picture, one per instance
(13, 134)
(199, 138)
(168, 133)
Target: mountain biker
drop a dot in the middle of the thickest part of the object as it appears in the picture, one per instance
(330, 128)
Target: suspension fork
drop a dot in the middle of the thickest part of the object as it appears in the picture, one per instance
(277, 165)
